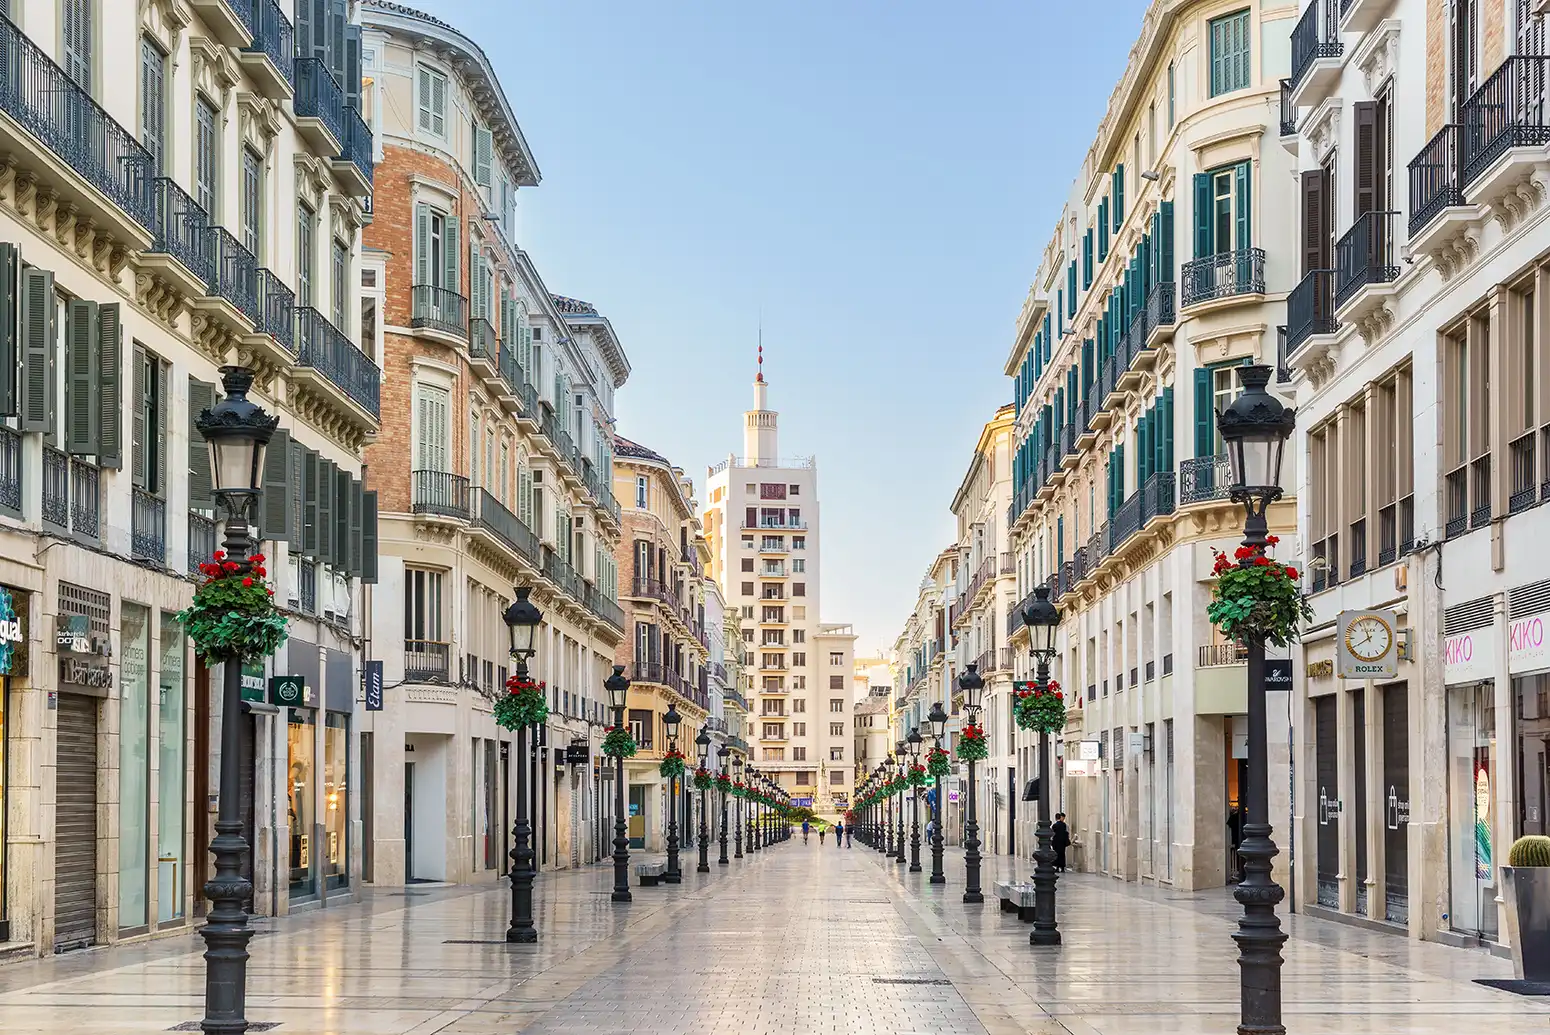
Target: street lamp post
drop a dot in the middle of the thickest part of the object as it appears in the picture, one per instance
(1043, 621)
(972, 686)
(670, 723)
(522, 619)
(702, 744)
(737, 809)
(236, 433)
(618, 687)
(902, 767)
(937, 717)
(886, 773)
(1255, 428)
(913, 741)
(721, 758)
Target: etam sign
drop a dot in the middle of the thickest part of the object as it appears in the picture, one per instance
(1528, 643)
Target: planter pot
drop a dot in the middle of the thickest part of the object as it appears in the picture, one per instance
(1526, 894)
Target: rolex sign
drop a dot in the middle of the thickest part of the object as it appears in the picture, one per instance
(1366, 645)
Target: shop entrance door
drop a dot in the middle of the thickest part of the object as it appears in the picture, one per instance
(75, 852)
(1396, 812)
(408, 822)
(1327, 776)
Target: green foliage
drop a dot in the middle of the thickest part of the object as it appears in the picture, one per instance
(1530, 850)
(938, 763)
(617, 743)
(1257, 598)
(799, 813)
(673, 766)
(972, 746)
(522, 705)
(233, 615)
(703, 781)
(916, 777)
(1041, 708)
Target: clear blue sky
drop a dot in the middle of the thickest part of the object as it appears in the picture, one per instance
(879, 178)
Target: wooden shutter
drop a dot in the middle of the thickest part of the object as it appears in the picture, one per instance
(81, 378)
(1119, 196)
(110, 373)
(439, 105)
(1119, 476)
(369, 537)
(1165, 268)
(274, 516)
(1205, 416)
(324, 482)
(449, 255)
(1203, 235)
(342, 499)
(1315, 228)
(1167, 429)
(1365, 172)
(422, 88)
(352, 66)
(357, 527)
(39, 325)
(422, 242)
(10, 335)
(296, 492)
(309, 489)
(1241, 180)
(201, 496)
(483, 155)
(163, 371)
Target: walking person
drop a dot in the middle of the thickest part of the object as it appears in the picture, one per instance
(804, 831)
(821, 829)
(839, 834)
(847, 837)
(1060, 841)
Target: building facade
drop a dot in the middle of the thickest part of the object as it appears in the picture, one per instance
(495, 466)
(136, 263)
(1166, 270)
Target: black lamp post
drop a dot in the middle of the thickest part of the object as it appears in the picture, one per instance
(721, 759)
(972, 686)
(902, 768)
(937, 717)
(522, 619)
(618, 687)
(702, 743)
(913, 742)
(885, 773)
(1043, 621)
(737, 809)
(1255, 428)
(236, 432)
(670, 722)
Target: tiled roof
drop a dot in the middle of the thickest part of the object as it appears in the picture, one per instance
(573, 306)
(388, 5)
(625, 448)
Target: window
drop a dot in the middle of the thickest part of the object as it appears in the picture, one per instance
(76, 32)
(798, 659)
(432, 101)
(799, 636)
(836, 729)
(422, 609)
(836, 704)
(836, 682)
(799, 542)
(748, 564)
(837, 755)
(798, 705)
(747, 635)
(774, 754)
(153, 103)
(799, 565)
(799, 754)
(252, 201)
(798, 613)
(748, 589)
(1463, 54)
(306, 222)
(642, 491)
(836, 658)
(1172, 97)
(1229, 53)
(433, 408)
(149, 434)
(799, 589)
(1466, 423)
(774, 731)
(771, 614)
(339, 290)
(207, 151)
(1222, 211)
(799, 729)
(748, 611)
(642, 722)
(804, 779)
(837, 777)
(772, 491)
(436, 248)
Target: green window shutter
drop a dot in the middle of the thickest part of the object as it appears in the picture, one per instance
(161, 404)
(1087, 363)
(1154, 253)
(357, 519)
(422, 239)
(1142, 448)
(1087, 260)
(1241, 188)
(1165, 270)
(449, 252)
(1159, 436)
(201, 397)
(274, 514)
(1205, 416)
(1203, 242)
(137, 435)
(110, 393)
(39, 329)
(342, 540)
(309, 487)
(1103, 230)
(325, 489)
(1167, 423)
(296, 493)
(482, 156)
(10, 357)
(1119, 196)
(369, 537)
(80, 378)
(1119, 466)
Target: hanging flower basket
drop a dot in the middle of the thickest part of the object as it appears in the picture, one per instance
(723, 782)
(1039, 708)
(972, 746)
(523, 704)
(1256, 597)
(917, 776)
(703, 780)
(738, 790)
(233, 616)
(617, 743)
(937, 762)
(673, 765)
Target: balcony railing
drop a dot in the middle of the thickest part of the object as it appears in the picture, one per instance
(1326, 563)
(1480, 491)
(1436, 178)
(1365, 255)
(440, 492)
(482, 343)
(771, 523)
(147, 526)
(1222, 276)
(1160, 305)
(327, 350)
(235, 276)
(1126, 523)
(1456, 496)
(201, 540)
(1358, 548)
(1525, 472)
(47, 103)
(438, 308)
(1288, 110)
(1204, 478)
(1396, 530)
(1008, 564)
(489, 513)
(72, 499)
(276, 310)
(1215, 655)
(274, 38)
(181, 229)
(10, 470)
(427, 661)
(1310, 309)
(357, 143)
(1510, 109)
(1316, 35)
(1157, 496)
(318, 96)
(56, 489)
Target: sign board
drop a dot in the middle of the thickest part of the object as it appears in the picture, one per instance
(287, 691)
(802, 803)
(1366, 645)
(1466, 656)
(952, 796)
(1080, 767)
(373, 677)
(1089, 750)
(72, 634)
(253, 682)
(578, 752)
(1278, 673)
(1528, 646)
(13, 639)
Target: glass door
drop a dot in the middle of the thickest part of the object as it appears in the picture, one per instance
(1471, 786)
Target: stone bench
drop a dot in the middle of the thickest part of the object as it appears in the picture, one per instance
(650, 874)
(1016, 898)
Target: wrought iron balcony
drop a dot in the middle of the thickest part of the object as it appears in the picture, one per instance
(276, 310)
(326, 349)
(1126, 523)
(1480, 491)
(438, 308)
(1215, 655)
(1160, 307)
(1310, 309)
(1204, 478)
(56, 489)
(201, 540)
(233, 22)
(1509, 110)
(482, 343)
(148, 526)
(1316, 36)
(271, 57)
(10, 471)
(1157, 496)
(1525, 472)
(1224, 275)
(1436, 178)
(427, 661)
(40, 97)
(320, 104)
(355, 147)
(182, 230)
(235, 276)
(439, 492)
(491, 514)
(1288, 110)
(1456, 497)
(1358, 548)
(307, 578)
(1364, 256)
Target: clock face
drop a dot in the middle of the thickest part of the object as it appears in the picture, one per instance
(1369, 638)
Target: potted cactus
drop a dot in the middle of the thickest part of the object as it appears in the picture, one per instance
(1526, 894)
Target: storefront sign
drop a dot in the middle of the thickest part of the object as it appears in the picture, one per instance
(578, 752)
(373, 678)
(1089, 750)
(72, 634)
(1320, 669)
(253, 682)
(802, 803)
(85, 672)
(1080, 767)
(1528, 646)
(287, 691)
(1278, 673)
(1467, 656)
(1365, 645)
(12, 638)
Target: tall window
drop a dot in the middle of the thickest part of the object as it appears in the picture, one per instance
(436, 248)
(252, 201)
(306, 224)
(1230, 53)
(207, 151)
(1463, 54)
(1222, 211)
(339, 288)
(642, 491)
(153, 102)
(432, 407)
(422, 605)
(149, 432)
(432, 101)
(76, 34)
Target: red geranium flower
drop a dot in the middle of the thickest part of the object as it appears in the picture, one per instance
(1291, 573)
(247, 582)
(219, 555)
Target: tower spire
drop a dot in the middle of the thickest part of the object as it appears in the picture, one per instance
(759, 377)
